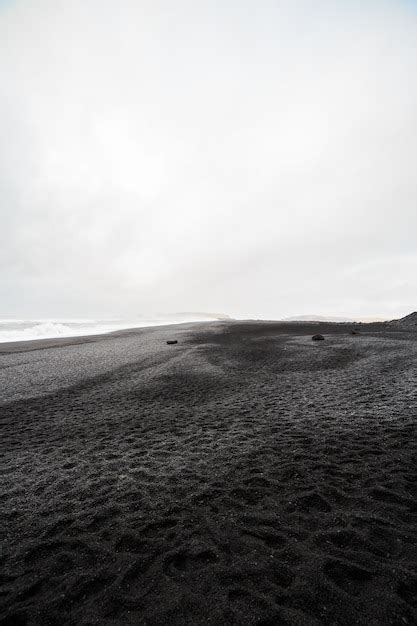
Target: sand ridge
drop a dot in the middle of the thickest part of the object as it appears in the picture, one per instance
(245, 476)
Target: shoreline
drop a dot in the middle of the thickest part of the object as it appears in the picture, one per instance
(41, 343)
(293, 325)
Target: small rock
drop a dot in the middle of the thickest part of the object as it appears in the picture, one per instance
(317, 338)
(171, 342)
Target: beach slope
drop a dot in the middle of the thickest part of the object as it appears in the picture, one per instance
(246, 475)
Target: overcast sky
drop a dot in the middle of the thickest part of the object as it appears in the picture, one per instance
(251, 157)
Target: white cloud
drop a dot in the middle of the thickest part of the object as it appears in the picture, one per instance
(256, 158)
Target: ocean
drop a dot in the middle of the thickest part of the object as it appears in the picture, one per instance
(32, 329)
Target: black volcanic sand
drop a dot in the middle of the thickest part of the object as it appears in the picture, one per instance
(247, 475)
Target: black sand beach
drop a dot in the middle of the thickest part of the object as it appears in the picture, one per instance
(246, 475)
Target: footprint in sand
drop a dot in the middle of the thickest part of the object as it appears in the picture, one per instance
(185, 561)
(351, 578)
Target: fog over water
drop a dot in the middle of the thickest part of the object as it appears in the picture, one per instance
(251, 158)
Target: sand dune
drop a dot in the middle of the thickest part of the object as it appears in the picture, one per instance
(246, 475)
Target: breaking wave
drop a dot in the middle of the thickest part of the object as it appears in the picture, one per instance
(26, 330)
(16, 330)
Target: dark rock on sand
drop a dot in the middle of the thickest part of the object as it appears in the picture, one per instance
(317, 338)
(172, 342)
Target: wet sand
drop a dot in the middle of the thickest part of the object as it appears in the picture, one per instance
(246, 475)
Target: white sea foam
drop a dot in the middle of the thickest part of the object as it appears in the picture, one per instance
(23, 330)
(31, 329)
